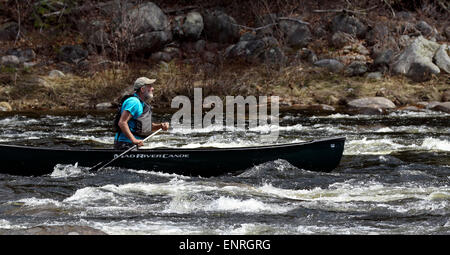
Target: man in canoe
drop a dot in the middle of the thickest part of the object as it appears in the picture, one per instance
(133, 119)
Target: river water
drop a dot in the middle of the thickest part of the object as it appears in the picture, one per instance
(394, 178)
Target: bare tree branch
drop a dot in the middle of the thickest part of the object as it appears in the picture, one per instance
(295, 20)
(347, 10)
(19, 19)
(271, 24)
(390, 7)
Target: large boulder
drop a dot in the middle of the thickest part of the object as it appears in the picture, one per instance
(379, 33)
(418, 55)
(5, 107)
(446, 96)
(371, 105)
(420, 72)
(340, 39)
(348, 24)
(307, 55)
(273, 56)
(331, 65)
(151, 41)
(447, 31)
(442, 59)
(193, 25)
(148, 26)
(424, 28)
(8, 31)
(72, 53)
(296, 34)
(443, 107)
(266, 24)
(382, 60)
(378, 102)
(220, 27)
(147, 17)
(255, 50)
(356, 68)
(24, 55)
(247, 49)
(10, 60)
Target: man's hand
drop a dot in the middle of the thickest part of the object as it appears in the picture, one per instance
(165, 126)
(138, 142)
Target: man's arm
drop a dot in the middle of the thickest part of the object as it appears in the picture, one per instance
(156, 126)
(123, 125)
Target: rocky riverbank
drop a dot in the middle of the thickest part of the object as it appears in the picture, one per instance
(318, 57)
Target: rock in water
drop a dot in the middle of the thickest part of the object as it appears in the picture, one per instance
(371, 105)
(443, 107)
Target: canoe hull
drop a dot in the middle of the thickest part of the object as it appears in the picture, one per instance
(319, 155)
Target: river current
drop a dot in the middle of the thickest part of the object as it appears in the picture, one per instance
(393, 178)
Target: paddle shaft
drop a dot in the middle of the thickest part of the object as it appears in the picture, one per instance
(123, 153)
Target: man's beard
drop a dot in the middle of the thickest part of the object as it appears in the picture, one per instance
(148, 96)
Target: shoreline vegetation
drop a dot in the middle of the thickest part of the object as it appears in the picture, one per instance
(316, 56)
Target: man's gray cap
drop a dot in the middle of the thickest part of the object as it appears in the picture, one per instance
(142, 81)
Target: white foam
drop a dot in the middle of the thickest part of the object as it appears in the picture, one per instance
(92, 196)
(149, 227)
(183, 197)
(111, 192)
(350, 191)
(395, 114)
(15, 120)
(384, 130)
(440, 195)
(252, 229)
(104, 140)
(64, 171)
(161, 174)
(245, 206)
(372, 146)
(37, 202)
(5, 224)
(418, 114)
(208, 129)
(436, 144)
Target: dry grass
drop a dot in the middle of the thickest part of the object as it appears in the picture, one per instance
(298, 84)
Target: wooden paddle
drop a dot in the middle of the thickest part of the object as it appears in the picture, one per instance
(100, 166)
